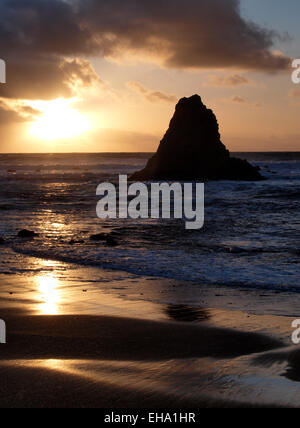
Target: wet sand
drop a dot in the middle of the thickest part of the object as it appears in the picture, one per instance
(54, 360)
(72, 346)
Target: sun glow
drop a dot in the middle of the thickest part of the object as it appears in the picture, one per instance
(58, 121)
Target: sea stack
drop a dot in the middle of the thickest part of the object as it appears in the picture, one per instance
(192, 149)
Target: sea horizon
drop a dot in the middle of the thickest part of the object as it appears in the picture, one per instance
(134, 152)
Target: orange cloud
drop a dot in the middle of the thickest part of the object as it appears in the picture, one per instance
(229, 81)
(152, 96)
(236, 99)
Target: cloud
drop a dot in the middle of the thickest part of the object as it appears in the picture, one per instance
(152, 96)
(229, 81)
(9, 116)
(236, 99)
(46, 79)
(14, 113)
(189, 34)
(79, 72)
(37, 37)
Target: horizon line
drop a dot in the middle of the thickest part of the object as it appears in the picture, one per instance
(116, 152)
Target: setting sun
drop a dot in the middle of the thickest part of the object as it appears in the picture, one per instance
(58, 121)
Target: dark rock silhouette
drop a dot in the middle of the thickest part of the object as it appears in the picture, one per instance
(111, 242)
(27, 234)
(192, 150)
(99, 237)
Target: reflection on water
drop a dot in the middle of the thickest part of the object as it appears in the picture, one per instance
(48, 286)
(225, 382)
(288, 359)
(187, 313)
(58, 226)
(53, 264)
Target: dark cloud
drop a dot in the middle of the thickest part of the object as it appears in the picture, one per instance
(37, 36)
(152, 96)
(38, 41)
(41, 78)
(182, 34)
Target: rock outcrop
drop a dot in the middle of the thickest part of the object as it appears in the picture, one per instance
(27, 234)
(192, 150)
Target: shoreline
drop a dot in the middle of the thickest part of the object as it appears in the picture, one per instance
(113, 349)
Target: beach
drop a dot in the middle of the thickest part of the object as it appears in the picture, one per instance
(78, 345)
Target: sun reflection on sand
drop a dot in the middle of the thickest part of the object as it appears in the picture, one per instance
(48, 287)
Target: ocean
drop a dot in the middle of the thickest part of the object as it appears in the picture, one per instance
(250, 238)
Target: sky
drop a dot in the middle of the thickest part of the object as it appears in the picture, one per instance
(105, 75)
